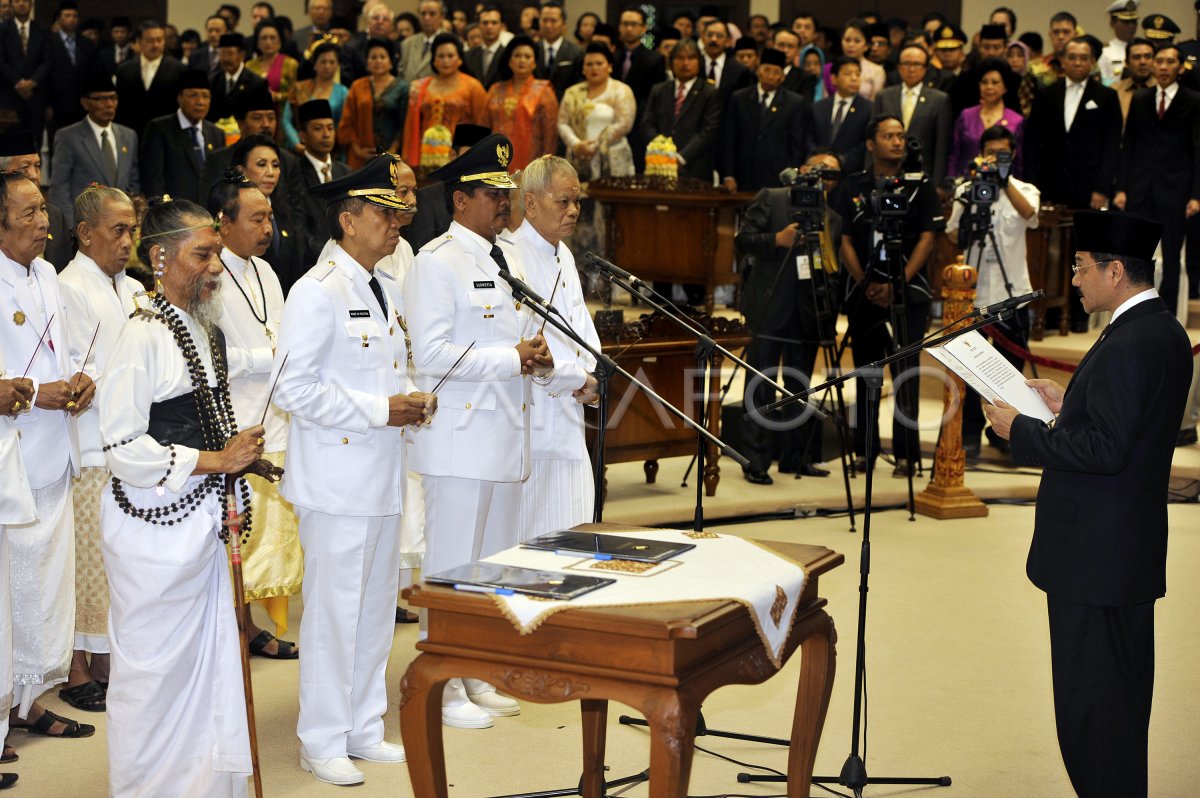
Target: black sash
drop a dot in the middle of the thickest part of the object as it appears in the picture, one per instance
(178, 420)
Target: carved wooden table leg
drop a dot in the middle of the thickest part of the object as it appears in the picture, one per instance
(421, 725)
(672, 720)
(818, 662)
(651, 469)
(595, 718)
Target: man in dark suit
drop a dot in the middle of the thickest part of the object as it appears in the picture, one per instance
(95, 149)
(25, 68)
(320, 15)
(641, 69)
(232, 79)
(766, 130)
(558, 58)
(780, 302)
(720, 68)
(176, 146)
(73, 59)
(688, 110)
(318, 134)
(254, 111)
(434, 218)
(120, 48)
(148, 84)
(19, 153)
(1159, 172)
(795, 79)
(925, 112)
(484, 61)
(207, 57)
(1099, 547)
(841, 121)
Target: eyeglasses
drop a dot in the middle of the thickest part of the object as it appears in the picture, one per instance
(1078, 266)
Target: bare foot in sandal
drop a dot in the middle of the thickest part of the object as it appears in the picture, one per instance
(44, 722)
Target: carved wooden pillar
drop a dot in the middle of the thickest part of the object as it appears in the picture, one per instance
(947, 496)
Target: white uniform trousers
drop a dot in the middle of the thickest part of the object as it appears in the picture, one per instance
(351, 575)
(468, 519)
(6, 671)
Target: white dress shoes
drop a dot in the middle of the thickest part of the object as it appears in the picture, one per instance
(380, 752)
(459, 712)
(484, 696)
(335, 770)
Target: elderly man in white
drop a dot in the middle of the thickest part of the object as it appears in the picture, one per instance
(560, 491)
(99, 297)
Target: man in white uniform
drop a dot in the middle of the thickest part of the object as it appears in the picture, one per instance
(560, 491)
(345, 387)
(99, 298)
(475, 455)
(42, 554)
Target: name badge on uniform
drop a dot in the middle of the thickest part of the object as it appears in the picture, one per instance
(803, 270)
(485, 283)
(360, 314)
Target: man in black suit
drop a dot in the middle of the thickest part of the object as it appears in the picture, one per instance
(720, 68)
(484, 61)
(434, 218)
(688, 110)
(925, 112)
(780, 302)
(177, 145)
(148, 84)
(1099, 547)
(841, 121)
(232, 79)
(641, 69)
(766, 130)
(795, 79)
(120, 48)
(25, 68)
(73, 59)
(318, 134)
(559, 59)
(207, 57)
(254, 110)
(1159, 172)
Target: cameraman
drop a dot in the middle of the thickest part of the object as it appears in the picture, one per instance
(779, 301)
(869, 300)
(1014, 211)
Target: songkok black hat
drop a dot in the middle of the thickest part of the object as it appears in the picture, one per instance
(193, 79)
(485, 163)
(877, 29)
(314, 109)
(96, 82)
(468, 135)
(773, 57)
(1158, 28)
(121, 22)
(993, 32)
(375, 183)
(746, 43)
(948, 37)
(232, 40)
(17, 141)
(66, 5)
(1116, 233)
(257, 98)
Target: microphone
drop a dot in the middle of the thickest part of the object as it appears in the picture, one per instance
(613, 269)
(788, 176)
(519, 286)
(1012, 303)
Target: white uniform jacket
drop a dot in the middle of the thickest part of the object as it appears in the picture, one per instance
(344, 360)
(454, 296)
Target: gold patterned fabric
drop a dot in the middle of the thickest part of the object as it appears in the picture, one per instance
(91, 583)
(272, 562)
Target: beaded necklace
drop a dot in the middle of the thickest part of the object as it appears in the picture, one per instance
(215, 409)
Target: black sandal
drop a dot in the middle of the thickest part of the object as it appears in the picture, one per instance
(259, 644)
(74, 729)
(88, 696)
(6, 757)
(7, 780)
(406, 616)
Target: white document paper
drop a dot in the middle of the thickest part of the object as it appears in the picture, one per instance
(980, 366)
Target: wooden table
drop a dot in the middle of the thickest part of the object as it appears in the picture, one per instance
(663, 660)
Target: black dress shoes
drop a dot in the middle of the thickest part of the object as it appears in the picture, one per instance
(810, 470)
(757, 477)
(1186, 437)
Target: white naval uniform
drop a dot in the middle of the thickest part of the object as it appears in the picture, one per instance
(176, 710)
(1112, 61)
(474, 456)
(345, 472)
(16, 507)
(560, 491)
(97, 305)
(41, 554)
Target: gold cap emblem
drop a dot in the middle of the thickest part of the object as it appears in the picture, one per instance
(503, 154)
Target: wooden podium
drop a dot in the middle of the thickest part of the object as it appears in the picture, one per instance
(679, 232)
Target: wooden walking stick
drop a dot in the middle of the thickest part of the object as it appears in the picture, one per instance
(241, 611)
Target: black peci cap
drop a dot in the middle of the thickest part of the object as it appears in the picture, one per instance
(314, 109)
(193, 79)
(773, 57)
(257, 98)
(1116, 233)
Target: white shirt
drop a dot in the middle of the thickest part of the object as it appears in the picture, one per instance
(1071, 102)
(1136, 299)
(1009, 228)
(112, 137)
(764, 96)
(320, 165)
(489, 54)
(1169, 91)
(149, 70)
(250, 291)
(547, 46)
(1112, 61)
(687, 87)
(720, 65)
(96, 305)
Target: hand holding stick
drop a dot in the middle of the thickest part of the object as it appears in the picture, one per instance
(17, 405)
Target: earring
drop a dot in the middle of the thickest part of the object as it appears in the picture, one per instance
(162, 265)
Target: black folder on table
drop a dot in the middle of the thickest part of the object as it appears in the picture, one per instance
(608, 547)
(506, 580)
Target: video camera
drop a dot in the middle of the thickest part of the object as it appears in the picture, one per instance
(990, 178)
(807, 195)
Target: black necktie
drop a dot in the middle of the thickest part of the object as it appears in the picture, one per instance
(377, 290)
(498, 256)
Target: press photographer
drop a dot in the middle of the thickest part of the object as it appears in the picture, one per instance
(785, 306)
(891, 217)
(992, 211)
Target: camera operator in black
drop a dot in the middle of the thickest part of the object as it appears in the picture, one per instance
(869, 298)
(1014, 210)
(778, 301)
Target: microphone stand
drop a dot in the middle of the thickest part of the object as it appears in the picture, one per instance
(854, 771)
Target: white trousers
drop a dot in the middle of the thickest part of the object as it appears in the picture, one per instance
(6, 671)
(351, 571)
(468, 519)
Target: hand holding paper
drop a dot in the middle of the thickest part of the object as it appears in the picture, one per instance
(979, 365)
